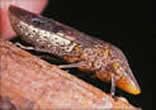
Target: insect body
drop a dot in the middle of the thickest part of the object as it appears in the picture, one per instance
(103, 59)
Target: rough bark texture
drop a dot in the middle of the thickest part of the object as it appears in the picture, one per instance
(30, 83)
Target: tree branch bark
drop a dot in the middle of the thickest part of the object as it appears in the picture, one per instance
(33, 84)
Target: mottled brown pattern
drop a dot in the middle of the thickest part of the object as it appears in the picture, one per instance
(101, 58)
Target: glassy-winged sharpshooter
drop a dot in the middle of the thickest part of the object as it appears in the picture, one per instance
(101, 58)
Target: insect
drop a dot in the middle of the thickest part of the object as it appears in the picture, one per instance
(87, 53)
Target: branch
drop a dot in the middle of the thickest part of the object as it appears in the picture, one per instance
(33, 84)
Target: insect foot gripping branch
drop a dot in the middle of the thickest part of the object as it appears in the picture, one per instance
(103, 59)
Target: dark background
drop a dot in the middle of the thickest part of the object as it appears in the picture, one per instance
(126, 25)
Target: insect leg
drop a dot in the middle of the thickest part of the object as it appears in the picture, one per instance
(30, 47)
(74, 65)
(112, 86)
(24, 47)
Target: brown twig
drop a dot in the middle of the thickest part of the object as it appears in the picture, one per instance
(33, 84)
